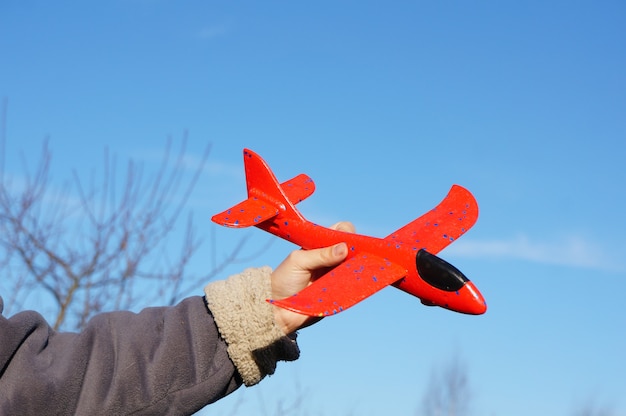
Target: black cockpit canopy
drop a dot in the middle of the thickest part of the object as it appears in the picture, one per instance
(438, 272)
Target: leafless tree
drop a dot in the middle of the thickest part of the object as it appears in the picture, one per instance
(448, 392)
(96, 244)
(592, 409)
(293, 403)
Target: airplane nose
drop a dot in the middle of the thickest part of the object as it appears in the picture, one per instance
(455, 291)
(471, 301)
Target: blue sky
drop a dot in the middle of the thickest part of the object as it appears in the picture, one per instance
(385, 105)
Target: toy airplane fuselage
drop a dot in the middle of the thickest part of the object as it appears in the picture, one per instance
(405, 259)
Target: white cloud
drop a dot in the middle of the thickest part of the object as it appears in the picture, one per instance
(571, 251)
(212, 32)
(225, 169)
(189, 162)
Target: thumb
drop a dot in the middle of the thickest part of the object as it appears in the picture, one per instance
(322, 257)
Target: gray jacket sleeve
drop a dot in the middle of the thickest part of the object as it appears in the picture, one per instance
(165, 361)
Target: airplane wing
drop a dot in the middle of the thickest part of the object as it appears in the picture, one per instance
(440, 226)
(344, 286)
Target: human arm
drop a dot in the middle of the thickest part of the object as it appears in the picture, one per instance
(168, 360)
(257, 332)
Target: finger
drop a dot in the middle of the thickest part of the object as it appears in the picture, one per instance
(321, 257)
(344, 226)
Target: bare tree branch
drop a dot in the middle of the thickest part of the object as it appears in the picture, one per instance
(592, 409)
(448, 393)
(100, 242)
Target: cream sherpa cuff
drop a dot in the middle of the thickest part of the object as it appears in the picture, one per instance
(246, 322)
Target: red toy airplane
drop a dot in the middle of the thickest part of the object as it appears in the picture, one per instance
(405, 259)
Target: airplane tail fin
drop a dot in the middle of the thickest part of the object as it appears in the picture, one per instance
(266, 196)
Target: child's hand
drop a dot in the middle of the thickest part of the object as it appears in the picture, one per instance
(298, 271)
